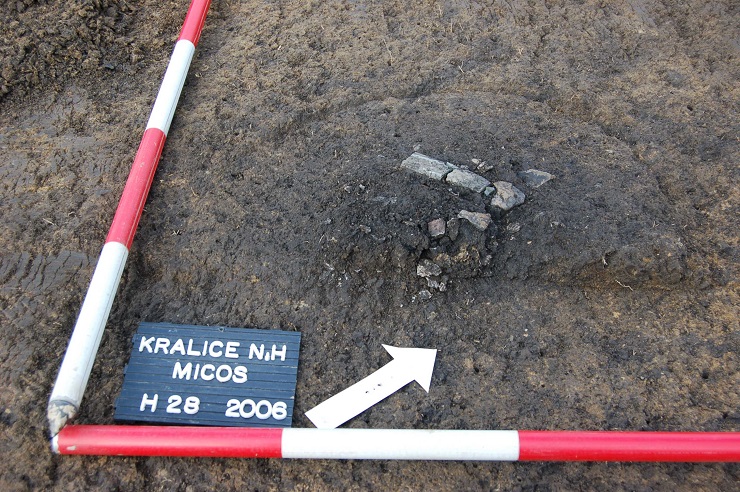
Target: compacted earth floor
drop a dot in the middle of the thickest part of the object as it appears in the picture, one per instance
(607, 300)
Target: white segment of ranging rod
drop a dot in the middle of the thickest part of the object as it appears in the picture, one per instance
(88, 331)
(407, 444)
(172, 83)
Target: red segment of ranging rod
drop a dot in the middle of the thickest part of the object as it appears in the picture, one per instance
(194, 21)
(133, 440)
(629, 446)
(402, 444)
(74, 372)
(139, 181)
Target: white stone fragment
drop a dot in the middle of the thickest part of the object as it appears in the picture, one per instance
(507, 196)
(427, 268)
(467, 179)
(425, 295)
(426, 166)
(479, 220)
(437, 228)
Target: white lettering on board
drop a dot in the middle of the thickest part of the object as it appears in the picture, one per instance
(231, 350)
(178, 346)
(145, 401)
(146, 343)
(216, 353)
(254, 351)
(223, 373)
(180, 372)
(281, 353)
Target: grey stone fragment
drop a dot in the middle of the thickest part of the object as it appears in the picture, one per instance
(490, 190)
(479, 220)
(427, 269)
(507, 196)
(426, 166)
(467, 179)
(425, 295)
(453, 228)
(535, 178)
(437, 228)
(440, 285)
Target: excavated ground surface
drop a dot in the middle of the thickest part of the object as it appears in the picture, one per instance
(608, 300)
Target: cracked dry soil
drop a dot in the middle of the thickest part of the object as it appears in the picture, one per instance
(608, 300)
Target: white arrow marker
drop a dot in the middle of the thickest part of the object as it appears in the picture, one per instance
(408, 364)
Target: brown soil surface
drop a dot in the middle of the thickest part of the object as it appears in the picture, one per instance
(608, 300)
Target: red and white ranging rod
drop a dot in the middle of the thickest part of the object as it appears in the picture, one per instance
(398, 444)
(83, 345)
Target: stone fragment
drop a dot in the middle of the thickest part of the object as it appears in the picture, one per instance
(490, 190)
(467, 179)
(535, 178)
(484, 167)
(427, 268)
(435, 284)
(453, 228)
(507, 196)
(425, 295)
(479, 220)
(426, 166)
(437, 228)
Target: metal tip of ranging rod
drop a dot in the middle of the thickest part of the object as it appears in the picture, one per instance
(59, 413)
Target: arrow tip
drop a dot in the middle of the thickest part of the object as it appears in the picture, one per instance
(419, 361)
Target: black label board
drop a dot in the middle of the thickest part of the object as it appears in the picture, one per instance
(210, 375)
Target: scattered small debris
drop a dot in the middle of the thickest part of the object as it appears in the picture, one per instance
(437, 228)
(481, 165)
(425, 295)
(535, 178)
(467, 252)
(467, 179)
(514, 227)
(479, 220)
(427, 268)
(385, 200)
(426, 166)
(434, 284)
(507, 196)
(365, 229)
